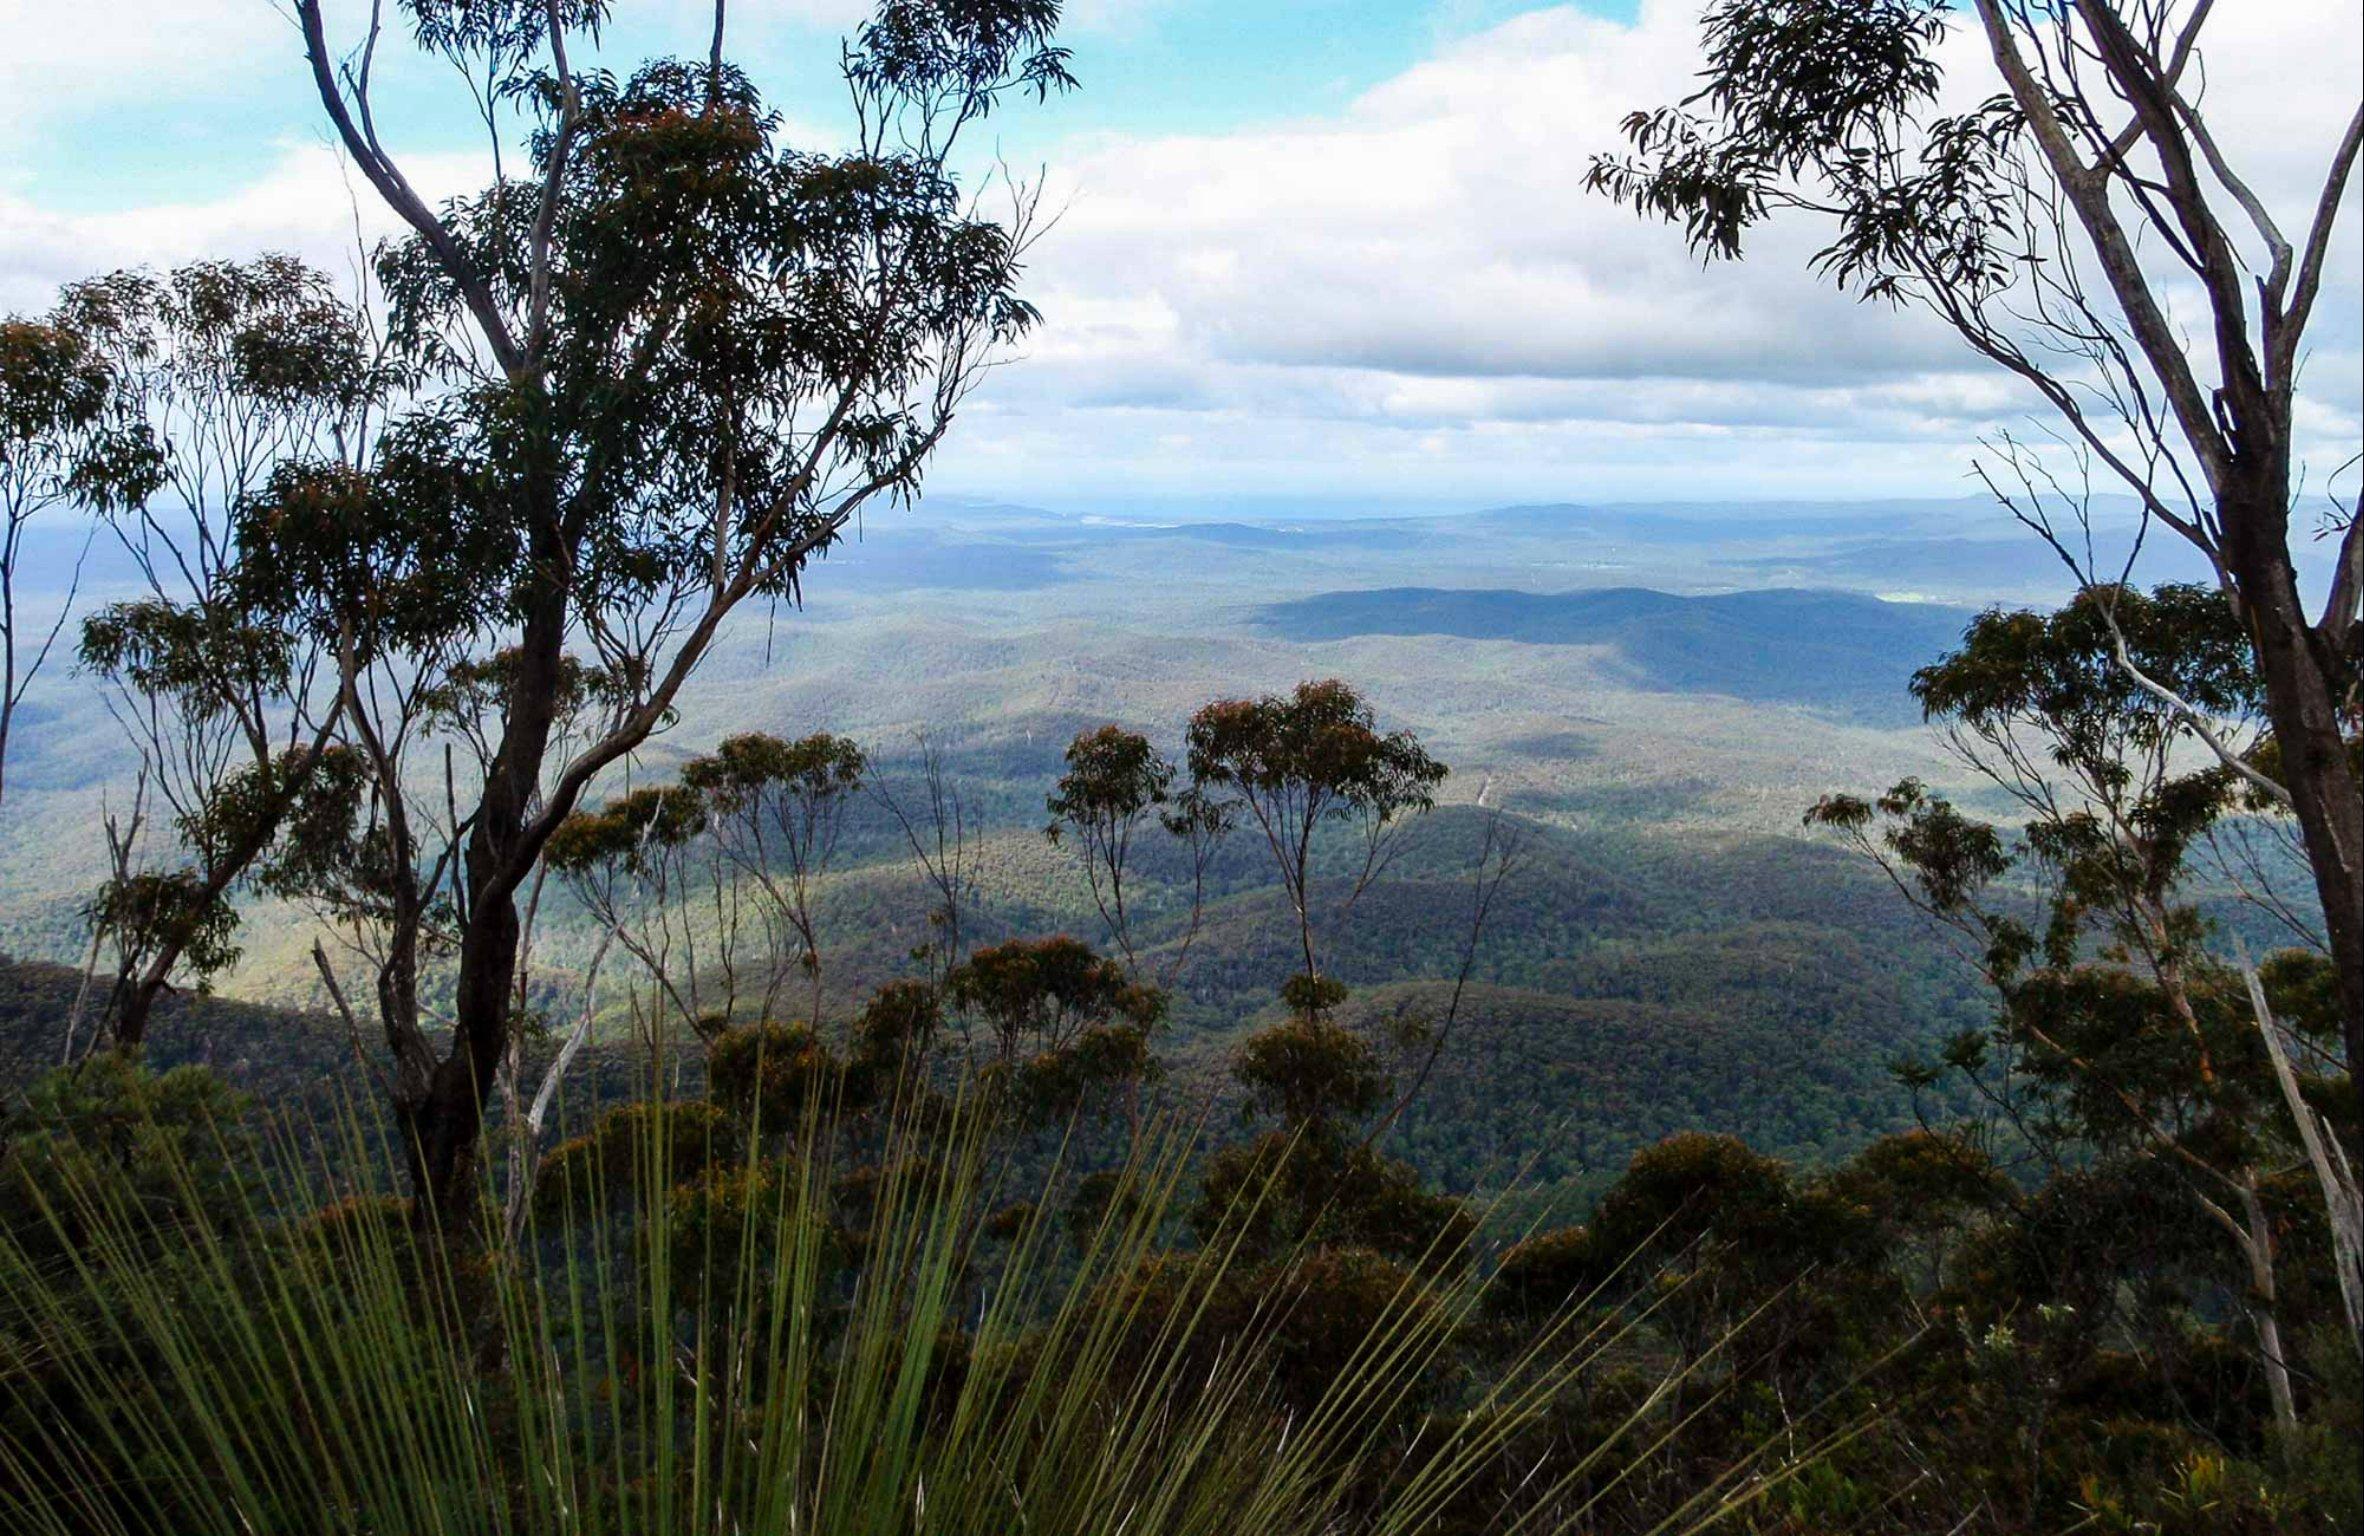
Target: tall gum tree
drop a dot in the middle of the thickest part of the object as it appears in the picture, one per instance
(1294, 761)
(676, 358)
(65, 444)
(2087, 230)
(230, 373)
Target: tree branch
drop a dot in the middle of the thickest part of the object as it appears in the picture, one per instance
(396, 189)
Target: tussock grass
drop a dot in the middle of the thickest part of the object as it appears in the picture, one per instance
(838, 1338)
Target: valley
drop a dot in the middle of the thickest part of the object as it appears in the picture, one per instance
(1653, 695)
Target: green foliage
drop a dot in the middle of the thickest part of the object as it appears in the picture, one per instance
(379, 563)
(635, 1151)
(2032, 226)
(66, 439)
(1687, 1187)
(1802, 101)
(2022, 1320)
(203, 659)
(1114, 777)
(251, 380)
(1311, 997)
(1310, 1072)
(1316, 752)
(966, 51)
(56, 393)
(898, 1024)
(1042, 992)
(1295, 761)
(271, 1056)
(149, 912)
(1099, 1063)
(1541, 1274)
(628, 832)
(2026, 1360)
(819, 769)
(171, 1143)
(771, 1077)
(1923, 1180)
(659, 1365)
(1115, 781)
(615, 397)
(1065, 1027)
(1338, 1303)
(2126, 1082)
(464, 699)
(66, 435)
(1284, 1194)
(2060, 670)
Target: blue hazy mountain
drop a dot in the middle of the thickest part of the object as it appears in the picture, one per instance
(1838, 651)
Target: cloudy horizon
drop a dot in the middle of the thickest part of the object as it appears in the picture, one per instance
(1356, 268)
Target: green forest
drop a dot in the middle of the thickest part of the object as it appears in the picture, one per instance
(485, 1079)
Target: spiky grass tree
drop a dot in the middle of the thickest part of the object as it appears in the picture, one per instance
(841, 1329)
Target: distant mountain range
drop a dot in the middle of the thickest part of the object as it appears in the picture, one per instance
(1653, 694)
(1838, 651)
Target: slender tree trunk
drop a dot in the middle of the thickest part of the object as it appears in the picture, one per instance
(448, 1123)
(2263, 1302)
(2304, 680)
(138, 1002)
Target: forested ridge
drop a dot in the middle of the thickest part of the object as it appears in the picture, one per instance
(1624, 991)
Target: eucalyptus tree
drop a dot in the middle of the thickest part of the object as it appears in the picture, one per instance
(2087, 230)
(775, 803)
(636, 865)
(688, 877)
(1298, 760)
(2118, 1039)
(1116, 784)
(673, 357)
(65, 442)
(1062, 1024)
(235, 376)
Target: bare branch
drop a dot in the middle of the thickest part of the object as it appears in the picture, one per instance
(2190, 715)
(396, 189)
(2283, 354)
(336, 994)
(2335, 1176)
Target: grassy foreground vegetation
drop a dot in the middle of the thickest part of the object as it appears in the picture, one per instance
(861, 1322)
(947, 1262)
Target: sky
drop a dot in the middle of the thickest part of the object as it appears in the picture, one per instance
(1325, 252)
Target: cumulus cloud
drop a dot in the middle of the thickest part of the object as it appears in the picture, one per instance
(1413, 294)
(312, 204)
(1421, 284)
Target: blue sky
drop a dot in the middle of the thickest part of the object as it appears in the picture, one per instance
(1201, 66)
(1312, 250)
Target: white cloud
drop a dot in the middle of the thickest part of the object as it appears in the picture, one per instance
(311, 204)
(1427, 263)
(1414, 294)
(62, 56)
(1440, 228)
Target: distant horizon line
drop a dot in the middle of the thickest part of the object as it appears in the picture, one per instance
(1244, 504)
